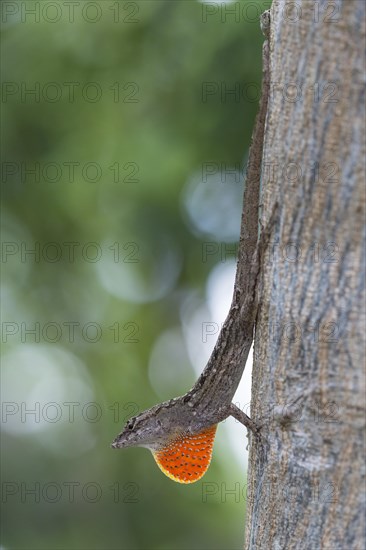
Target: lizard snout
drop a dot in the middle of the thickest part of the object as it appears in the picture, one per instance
(116, 444)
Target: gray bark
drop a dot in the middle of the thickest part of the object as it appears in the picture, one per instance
(306, 479)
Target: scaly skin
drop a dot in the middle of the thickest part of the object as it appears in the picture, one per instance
(173, 429)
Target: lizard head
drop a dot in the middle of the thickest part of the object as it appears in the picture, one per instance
(148, 429)
(182, 452)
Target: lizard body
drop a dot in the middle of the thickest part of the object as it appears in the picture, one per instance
(180, 432)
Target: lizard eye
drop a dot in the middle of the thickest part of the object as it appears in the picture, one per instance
(131, 424)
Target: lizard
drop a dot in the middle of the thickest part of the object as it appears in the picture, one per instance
(180, 432)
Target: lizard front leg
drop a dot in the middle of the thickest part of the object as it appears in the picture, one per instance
(244, 419)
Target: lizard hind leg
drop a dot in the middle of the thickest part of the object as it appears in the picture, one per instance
(187, 457)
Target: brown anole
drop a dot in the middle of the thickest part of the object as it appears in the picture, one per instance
(180, 432)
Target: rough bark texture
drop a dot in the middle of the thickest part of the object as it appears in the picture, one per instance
(306, 479)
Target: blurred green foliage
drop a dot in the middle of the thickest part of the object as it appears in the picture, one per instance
(130, 102)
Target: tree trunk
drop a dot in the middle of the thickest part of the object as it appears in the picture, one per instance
(306, 478)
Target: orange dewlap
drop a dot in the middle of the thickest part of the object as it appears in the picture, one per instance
(187, 458)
